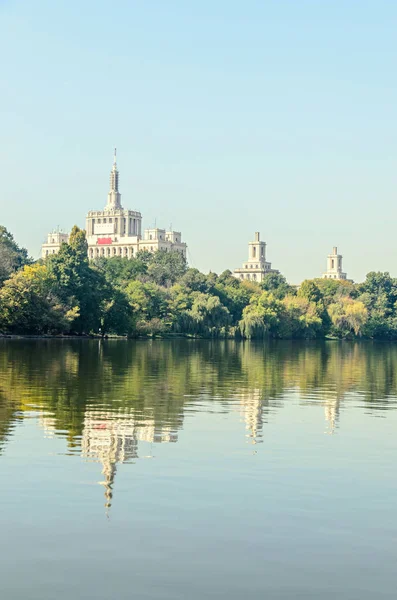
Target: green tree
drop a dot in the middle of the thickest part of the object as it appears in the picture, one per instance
(348, 317)
(117, 314)
(149, 306)
(119, 271)
(261, 317)
(208, 316)
(12, 257)
(166, 268)
(28, 304)
(379, 295)
(300, 318)
(277, 285)
(194, 281)
(77, 284)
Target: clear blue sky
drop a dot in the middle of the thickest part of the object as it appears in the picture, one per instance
(228, 117)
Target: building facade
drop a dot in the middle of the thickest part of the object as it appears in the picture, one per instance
(53, 243)
(116, 231)
(334, 266)
(256, 267)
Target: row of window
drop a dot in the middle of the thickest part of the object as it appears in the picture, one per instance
(249, 276)
(111, 252)
(252, 266)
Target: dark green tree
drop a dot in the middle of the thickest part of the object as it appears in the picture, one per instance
(12, 257)
(77, 284)
(277, 285)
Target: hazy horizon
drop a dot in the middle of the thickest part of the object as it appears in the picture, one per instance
(228, 119)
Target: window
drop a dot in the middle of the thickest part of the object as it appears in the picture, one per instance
(103, 252)
(120, 251)
(91, 253)
(254, 252)
(332, 263)
(46, 252)
(108, 251)
(151, 248)
(150, 237)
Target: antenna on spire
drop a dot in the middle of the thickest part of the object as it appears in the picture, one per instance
(114, 157)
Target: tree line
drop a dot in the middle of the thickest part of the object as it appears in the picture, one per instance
(157, 294)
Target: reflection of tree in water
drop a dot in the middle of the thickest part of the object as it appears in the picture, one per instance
(107, 397)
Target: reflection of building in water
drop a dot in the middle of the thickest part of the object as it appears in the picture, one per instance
(251, 410)
(48, 423)
(331, 410)
(112, 437)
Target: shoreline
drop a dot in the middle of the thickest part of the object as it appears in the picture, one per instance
(181, 336)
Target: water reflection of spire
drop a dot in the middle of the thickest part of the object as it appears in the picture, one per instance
(251, 411)
(112, 437)
(331, 411)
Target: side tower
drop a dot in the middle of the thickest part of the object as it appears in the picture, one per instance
(256, 267)
(334, 266)
(53, 244)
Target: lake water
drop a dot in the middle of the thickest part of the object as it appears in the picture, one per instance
(196, 470)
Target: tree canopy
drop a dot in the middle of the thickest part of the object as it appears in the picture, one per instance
(158, 294)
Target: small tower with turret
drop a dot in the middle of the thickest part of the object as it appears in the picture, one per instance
(256, 267)
(334, 266)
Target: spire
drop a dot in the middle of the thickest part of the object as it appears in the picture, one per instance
(114, 176)
(114, 196)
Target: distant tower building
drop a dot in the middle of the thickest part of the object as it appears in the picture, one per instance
(115, 231)
(256, 267)
(334, 266)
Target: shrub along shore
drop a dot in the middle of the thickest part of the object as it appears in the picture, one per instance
(158, 295)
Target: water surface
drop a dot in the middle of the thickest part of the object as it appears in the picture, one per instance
(197, 469)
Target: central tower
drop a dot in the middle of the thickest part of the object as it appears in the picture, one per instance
(114, 196)
(256, 266)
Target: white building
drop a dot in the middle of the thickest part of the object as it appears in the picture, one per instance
(53, 243)
(256, 267)
(334, 266)
(116, 231)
